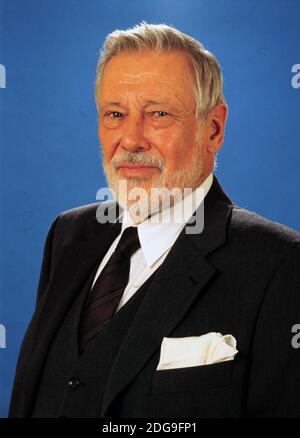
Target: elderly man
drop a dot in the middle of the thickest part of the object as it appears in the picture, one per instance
(138, 317)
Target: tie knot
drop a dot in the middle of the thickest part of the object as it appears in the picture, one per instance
(129, 242)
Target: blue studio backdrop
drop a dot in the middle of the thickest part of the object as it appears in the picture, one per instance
(49, 158)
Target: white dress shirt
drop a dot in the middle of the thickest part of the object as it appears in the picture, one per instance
(156, 238)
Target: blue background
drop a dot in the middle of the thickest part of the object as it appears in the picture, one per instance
(49, 147)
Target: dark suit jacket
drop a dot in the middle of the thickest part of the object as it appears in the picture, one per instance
(240, 276)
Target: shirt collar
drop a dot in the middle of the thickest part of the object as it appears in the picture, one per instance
(168, 231)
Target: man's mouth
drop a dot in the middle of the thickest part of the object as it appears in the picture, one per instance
(137, 169)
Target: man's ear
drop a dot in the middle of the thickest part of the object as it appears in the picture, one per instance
(216, 130)
(216, 122)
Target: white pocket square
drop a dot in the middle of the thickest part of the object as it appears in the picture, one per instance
(196, 350)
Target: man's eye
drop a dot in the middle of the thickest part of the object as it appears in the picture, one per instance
(114, 115)
(160, 113)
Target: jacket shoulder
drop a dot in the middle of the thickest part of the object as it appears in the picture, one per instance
(80, 213)
(72, 223)
(85, 212)
(259, 233)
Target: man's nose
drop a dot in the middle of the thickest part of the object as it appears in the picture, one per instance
(133, 138)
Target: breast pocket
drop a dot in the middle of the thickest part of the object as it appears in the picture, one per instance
(192, 378)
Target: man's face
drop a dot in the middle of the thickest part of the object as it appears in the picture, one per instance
(147, 125)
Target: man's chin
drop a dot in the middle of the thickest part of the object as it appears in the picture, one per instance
(134, 184)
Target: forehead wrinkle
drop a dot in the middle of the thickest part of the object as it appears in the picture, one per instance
(129, 78)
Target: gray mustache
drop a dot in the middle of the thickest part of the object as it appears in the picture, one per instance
(140, 158)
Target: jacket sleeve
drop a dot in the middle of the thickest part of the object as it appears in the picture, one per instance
(45, 271)
(274, 380)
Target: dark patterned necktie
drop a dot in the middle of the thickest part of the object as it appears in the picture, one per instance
(108, 289)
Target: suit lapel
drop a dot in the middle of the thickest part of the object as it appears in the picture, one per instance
(177, 283)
